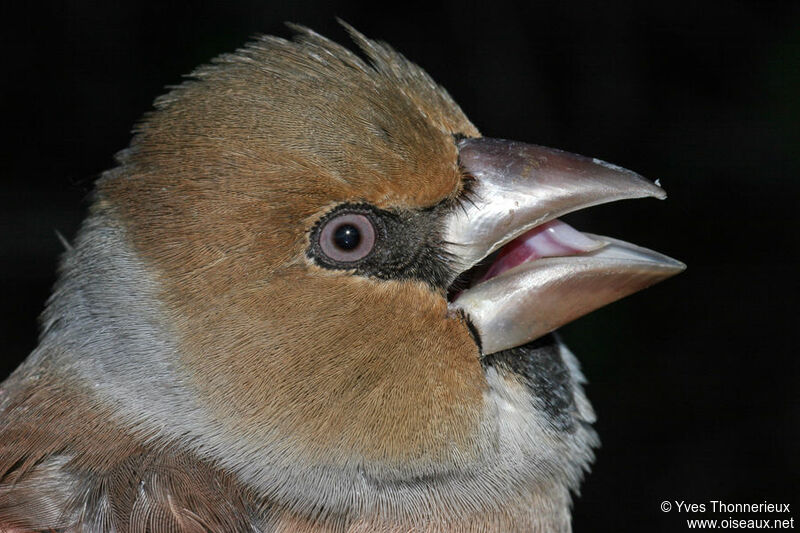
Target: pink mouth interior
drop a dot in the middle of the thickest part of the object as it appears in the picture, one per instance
(552, 239)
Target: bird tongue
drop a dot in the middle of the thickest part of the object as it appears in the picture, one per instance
(553, 239)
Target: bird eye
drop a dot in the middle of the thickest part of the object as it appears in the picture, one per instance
(347, 238)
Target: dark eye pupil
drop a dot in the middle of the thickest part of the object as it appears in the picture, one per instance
(346, 237)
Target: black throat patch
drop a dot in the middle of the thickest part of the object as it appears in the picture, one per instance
(540, 366)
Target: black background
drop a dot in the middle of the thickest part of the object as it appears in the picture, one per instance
(695, 380)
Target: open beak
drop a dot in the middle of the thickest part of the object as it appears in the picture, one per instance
(543, 273)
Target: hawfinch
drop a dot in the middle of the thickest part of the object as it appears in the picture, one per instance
(311, 297)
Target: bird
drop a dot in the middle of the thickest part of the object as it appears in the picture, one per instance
(311, 296)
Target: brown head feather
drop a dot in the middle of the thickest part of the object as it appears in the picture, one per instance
(219, 191)
(199, 370)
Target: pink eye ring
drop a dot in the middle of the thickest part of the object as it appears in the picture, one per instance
(347, 238)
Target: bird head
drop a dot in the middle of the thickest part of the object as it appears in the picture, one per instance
(347, 294)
